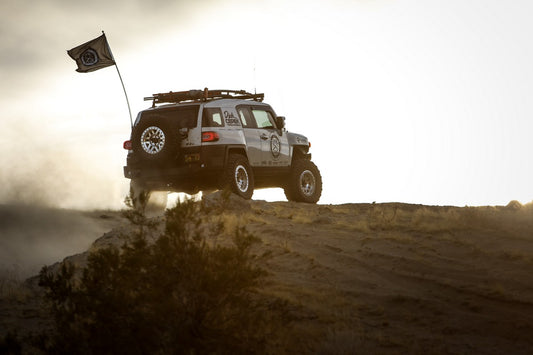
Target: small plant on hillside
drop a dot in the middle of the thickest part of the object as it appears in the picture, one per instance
(181, 294)
(136, 212)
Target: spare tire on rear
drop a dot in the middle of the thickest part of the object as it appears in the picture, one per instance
(154, 139)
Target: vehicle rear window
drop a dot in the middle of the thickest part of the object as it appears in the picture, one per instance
(212, 118)
(186, 116)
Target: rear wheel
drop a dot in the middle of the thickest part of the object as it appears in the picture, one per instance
(305, 182)
(238, 176)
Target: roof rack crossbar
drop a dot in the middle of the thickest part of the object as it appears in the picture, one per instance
(202, 95)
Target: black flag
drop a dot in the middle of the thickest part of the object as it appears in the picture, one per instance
(92, 55)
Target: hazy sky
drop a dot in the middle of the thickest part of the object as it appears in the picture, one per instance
(410, 101)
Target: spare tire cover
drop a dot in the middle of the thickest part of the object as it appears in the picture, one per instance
(154, 139)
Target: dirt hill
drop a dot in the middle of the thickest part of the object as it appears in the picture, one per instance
(372, 278)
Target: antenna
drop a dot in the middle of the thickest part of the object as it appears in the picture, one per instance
(255, 89)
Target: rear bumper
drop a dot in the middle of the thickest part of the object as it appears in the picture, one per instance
(190, 179)
(193, 169)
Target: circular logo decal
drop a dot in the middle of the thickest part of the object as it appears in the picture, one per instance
(89, 57)
(275, 146)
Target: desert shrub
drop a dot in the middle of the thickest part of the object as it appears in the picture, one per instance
(10, 344)
(181, 294)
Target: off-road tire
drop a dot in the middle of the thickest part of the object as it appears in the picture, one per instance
(155, 140)
(238, 176)
(305, 182)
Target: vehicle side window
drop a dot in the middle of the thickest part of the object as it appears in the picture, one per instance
(212, 117)
(246, 117)
(263, 118)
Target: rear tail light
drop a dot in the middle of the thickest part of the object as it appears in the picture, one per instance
(127, 145)
(210, 136)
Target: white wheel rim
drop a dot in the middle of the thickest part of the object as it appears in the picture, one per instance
(241, 178)
(307, 183)
(153, 140)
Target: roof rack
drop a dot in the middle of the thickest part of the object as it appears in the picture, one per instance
(202, 95)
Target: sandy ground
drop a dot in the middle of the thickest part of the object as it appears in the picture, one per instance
(371, 278)
(395, 278)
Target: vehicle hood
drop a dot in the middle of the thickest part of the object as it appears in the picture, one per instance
(297, 139)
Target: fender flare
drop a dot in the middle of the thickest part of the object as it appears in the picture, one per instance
(235, 149)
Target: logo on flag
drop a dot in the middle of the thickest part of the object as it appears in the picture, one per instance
(92, 55)
(89, 57)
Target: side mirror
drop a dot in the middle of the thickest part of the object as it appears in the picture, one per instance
(280, 122)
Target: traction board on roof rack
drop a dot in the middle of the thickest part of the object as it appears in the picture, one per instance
(201, 95)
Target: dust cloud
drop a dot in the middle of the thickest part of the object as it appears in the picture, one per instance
(34, 236)
(52, 176)
(50, 163)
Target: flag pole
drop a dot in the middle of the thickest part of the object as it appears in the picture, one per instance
(121, 81)
(125, 94)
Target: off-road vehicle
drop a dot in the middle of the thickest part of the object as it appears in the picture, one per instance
(204, 140)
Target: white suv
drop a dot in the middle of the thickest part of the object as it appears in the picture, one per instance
(202, 140)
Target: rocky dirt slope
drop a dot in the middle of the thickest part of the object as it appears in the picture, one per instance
(376, 278)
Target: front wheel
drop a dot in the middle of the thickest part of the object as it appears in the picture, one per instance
(238, 176)
(305, 182)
